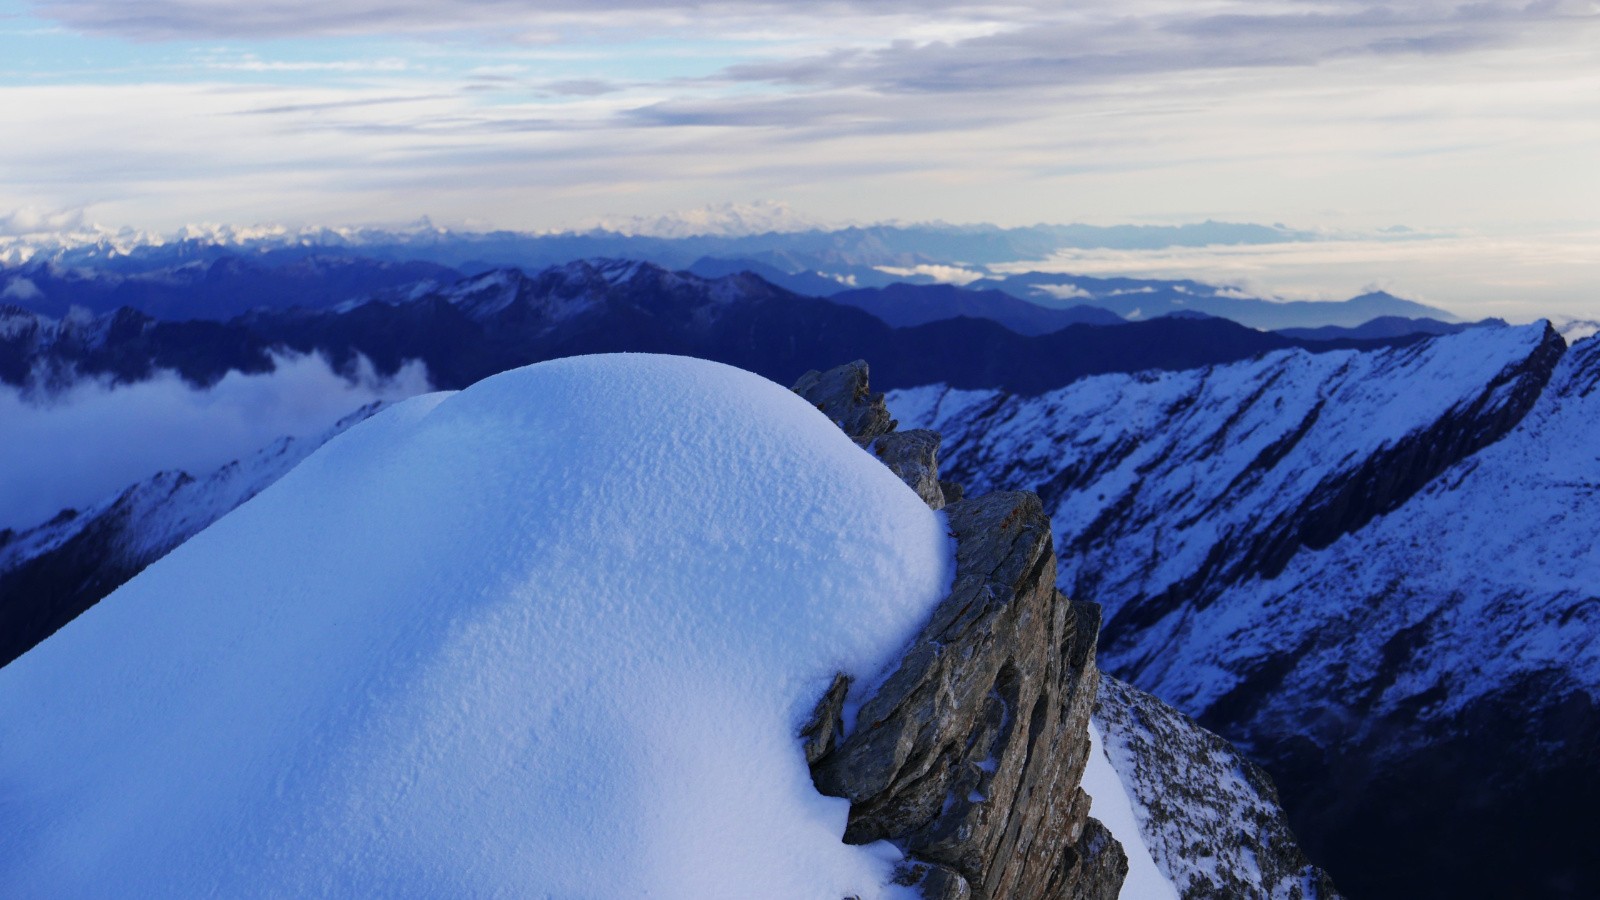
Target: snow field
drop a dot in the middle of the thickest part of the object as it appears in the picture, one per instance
(551, 636)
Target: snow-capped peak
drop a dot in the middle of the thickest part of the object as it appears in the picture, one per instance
(722, 219)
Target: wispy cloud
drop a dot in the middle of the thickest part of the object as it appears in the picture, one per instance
(942, 274)
(33, 220)
(182, 19)
(250, 63)
(75, 447)
(1317, 112)
(1101, 42)
(1517, 277)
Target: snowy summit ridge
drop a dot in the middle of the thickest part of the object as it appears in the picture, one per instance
(621, 580)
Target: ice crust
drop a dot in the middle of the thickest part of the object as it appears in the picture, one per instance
(550, 636)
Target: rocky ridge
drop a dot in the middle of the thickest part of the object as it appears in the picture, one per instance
(1372, 571)
(1210, 816)
(970, 755)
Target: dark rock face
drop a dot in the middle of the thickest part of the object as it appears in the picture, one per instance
(970, 754)
(1103, 868)
(914, 456)
(844, 396)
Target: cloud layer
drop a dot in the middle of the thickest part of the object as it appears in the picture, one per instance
(1260, 30)
(77, 447)
(1475, 276)
(489, 113)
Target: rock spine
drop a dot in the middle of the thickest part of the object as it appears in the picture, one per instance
(969, 755)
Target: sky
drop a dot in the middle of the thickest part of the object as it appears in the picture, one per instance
(1476, 119)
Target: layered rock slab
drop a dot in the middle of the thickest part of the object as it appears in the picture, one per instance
(970, 754)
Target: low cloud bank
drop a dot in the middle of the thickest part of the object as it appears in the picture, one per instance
(1515, 277)
(75, 447)
(941, 274)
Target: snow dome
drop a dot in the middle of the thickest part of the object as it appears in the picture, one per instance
(552, 635)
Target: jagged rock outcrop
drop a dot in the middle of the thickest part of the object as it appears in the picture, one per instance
(845, 397)
(914, 457)
(970, 754)
(1210, 817)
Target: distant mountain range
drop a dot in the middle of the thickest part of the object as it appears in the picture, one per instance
(905, 305)
(196, 279)
(214, 285)
(871, 245)
(1134, 298)
(1384, 327)
(498, 320)
(238, 269)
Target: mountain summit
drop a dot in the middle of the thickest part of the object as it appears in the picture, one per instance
(553, 634)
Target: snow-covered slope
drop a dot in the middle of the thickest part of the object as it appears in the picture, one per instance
(54, 571)
(1165, 488)
(1374, 571)
(1207, 818)
(1114, 805)
(552, 635)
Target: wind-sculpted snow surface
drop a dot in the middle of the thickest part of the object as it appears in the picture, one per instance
(1374, 571)
(551, 636)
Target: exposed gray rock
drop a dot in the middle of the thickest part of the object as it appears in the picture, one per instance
(970, 754)
(843, 395)
(914, 457)
(826, 726)
(1210, 817)
(1103, 868)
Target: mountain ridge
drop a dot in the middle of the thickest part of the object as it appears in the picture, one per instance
(1296, 551)
(505, 318)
